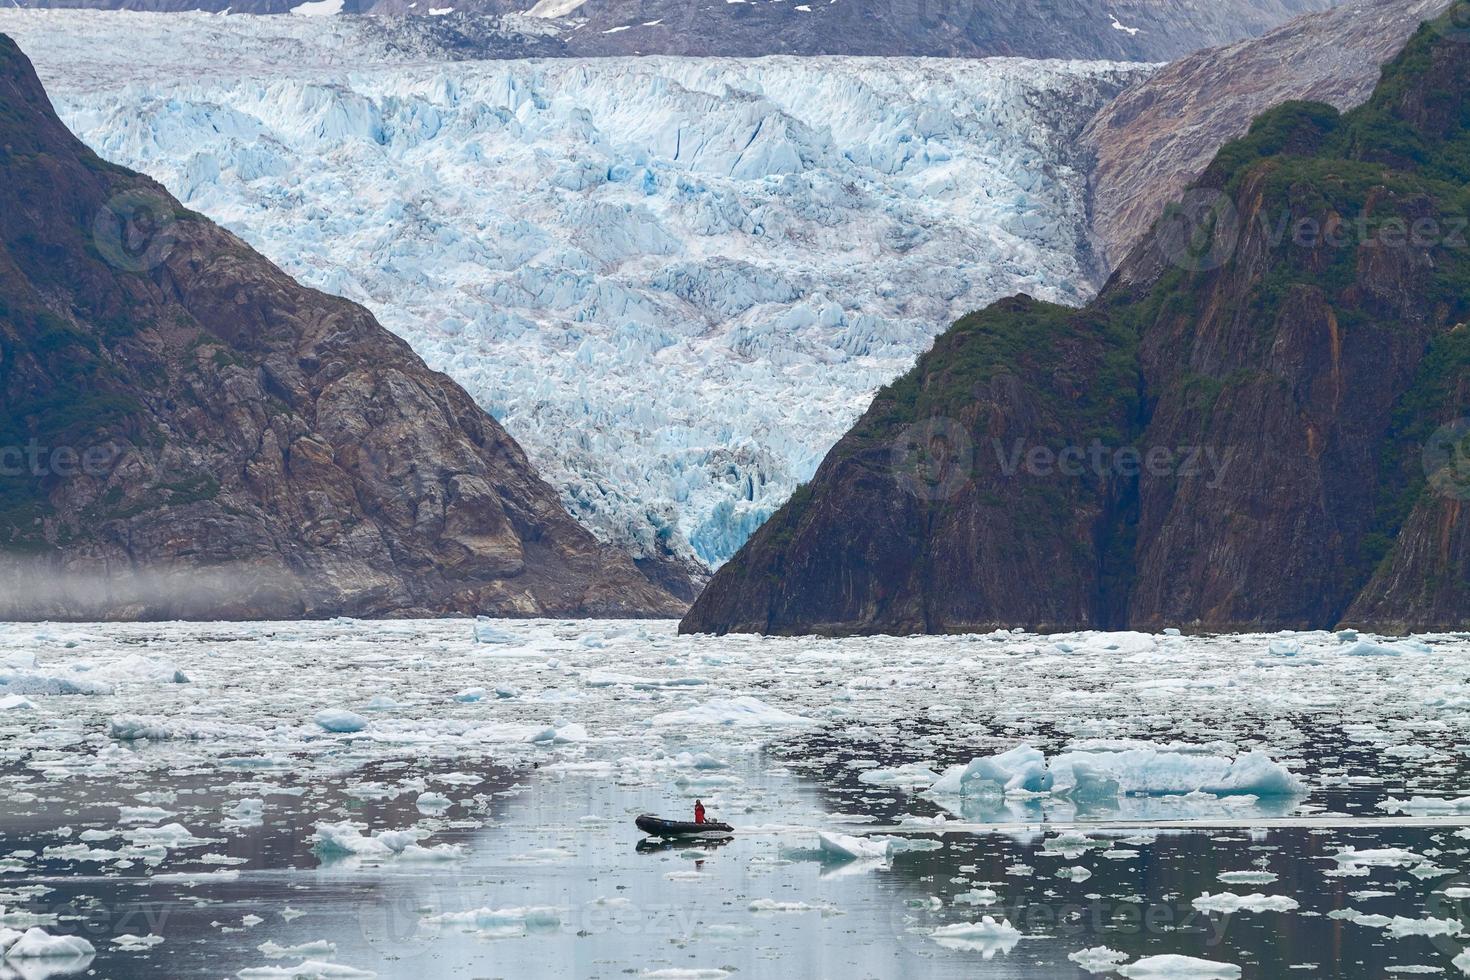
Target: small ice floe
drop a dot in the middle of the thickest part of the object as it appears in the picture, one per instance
(347, 839)
(1228, 903)
(1369, 648)
(132, 943)
(245, 813)
(470, 695)
(1426, 805)
(686, 973)
(771, 905)
(731, 712)
(142, 814)
(1379, 857)
(431, 802)
(16, 702)
(305, 970)
(340, 721)
(559, 732)
(1247, 877)
(842, 847)
(976, 896)
(486, 631)
(1098, 959)
(910, 776)
(1171, 966)
(1400, 926)
(37, 944)
(987, 937)
(501, 923)
(319, 947)
(381, 702)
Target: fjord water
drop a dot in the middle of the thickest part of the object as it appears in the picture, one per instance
(531, 752)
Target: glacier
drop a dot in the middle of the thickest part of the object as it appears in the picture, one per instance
(675, 281)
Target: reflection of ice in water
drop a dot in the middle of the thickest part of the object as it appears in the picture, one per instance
(525, 799)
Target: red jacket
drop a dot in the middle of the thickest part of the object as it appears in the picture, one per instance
(699, 813)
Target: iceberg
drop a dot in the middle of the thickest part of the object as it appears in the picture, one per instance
(1025, 771)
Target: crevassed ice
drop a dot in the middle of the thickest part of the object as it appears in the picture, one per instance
(675, 281)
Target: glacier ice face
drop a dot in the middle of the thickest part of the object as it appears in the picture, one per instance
(675, 281)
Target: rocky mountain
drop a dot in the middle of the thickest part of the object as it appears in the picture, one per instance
(186, 431)
(1156, 138)
(1123, 30)
(1259, 423)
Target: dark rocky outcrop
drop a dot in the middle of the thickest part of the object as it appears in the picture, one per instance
(1123, 30)
(1253, 427)
(1156, 138)
(186, 431)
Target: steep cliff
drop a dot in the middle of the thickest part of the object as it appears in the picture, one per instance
(1156, 138)
(1253, 426)
(186, 431)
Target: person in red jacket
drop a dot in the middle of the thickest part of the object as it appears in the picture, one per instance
(698, 812)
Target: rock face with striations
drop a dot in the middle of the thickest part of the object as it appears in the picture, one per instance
(1122, 30)
(185, 431)
(1259, 423)
(1156, 138)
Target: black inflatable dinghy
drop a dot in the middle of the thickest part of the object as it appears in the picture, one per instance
(659, 827)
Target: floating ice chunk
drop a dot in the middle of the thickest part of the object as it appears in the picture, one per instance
(976, 896)
(685, 973)
(506, 691)
(773, 905)
(558, 734)
(1400, 926)
(1022, 768)
(487, 632)
(305, 970)
(988, 936)
(910, 776)
(433, 801)
(470, 695)
(1462, 962)
(843, 847)
(1174, 967)
(15, 702)
(137, 669)
(1154, 772)
(37, 943)
(340, 721)
(1229, 903)
(26, 682)
(347, 838)
(1378, 857)
(1098, 959)
(141, 814)
(318, 947)
(132, 943)
(1247, 877)
(1426, 804)
(502, 922)
(381, 702)
(1369, 648)
(744, 711)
